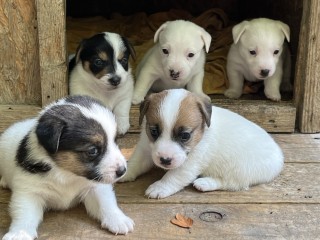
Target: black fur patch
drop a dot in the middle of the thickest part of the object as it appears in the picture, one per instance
(84, 101)
(26, 162)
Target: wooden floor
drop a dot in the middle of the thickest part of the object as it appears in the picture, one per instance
(288, 208)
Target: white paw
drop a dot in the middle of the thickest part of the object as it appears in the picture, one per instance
(136, 99)
(160, 190)
(118, 223)
(206, 184)
(3, 183)
(20, 235)
(273, 95)
(231, 93)
(123, 125)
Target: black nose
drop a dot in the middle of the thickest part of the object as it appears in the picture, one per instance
(264, 72)
(121, 171)
(115, 81)
(174, 75)
(165, 161)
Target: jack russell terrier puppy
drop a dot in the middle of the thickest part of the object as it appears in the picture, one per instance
(64, 156)
(259, 53)
(100, 69)
(211, 147)
(175, 61)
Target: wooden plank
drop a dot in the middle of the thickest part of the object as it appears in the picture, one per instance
(52, 48)
(222, 221)
(307, 85)
(19, 55)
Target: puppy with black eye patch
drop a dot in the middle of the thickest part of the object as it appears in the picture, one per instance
(65, 156)
(189, 137)
(100, 69)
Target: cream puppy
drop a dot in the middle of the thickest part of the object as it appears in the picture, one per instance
(190, 138)
(259, 53)
(65, 156)
(175, 61)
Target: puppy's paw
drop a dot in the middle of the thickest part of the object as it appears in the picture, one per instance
(206, 184)
(19, 235)
(123, 125)
(136, 99)
(3, 183)
(273, 95)
(118, 223)
(160, 190)
(231, 93)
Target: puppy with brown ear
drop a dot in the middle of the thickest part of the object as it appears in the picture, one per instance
(189, 137)
(101, 69)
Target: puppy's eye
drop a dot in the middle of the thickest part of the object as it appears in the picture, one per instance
(124, 61)
(154, 132)
(276, 52)
(184, 136)
(93, 151)
(253, 52)
(98, 62)
(165, 51)
(191, 55)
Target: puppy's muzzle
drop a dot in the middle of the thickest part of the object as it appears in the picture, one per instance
(165, 161)
(115, 80)
(121, 171)
(173, 74)
(264, 72)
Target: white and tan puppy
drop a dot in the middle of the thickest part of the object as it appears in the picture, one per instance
(100, 69)
(64, 156)
(259, 53)
(190, 138)
(175, 61)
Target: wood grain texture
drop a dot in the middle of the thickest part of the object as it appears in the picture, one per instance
(307, 84)
(52, 49)
(19, 53)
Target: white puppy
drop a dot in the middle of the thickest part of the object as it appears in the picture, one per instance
(100, 69)
(259, 53)
(175, 61)
(65, 156)
(190, 138)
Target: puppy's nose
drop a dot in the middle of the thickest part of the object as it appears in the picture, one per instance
(173, 74)
(115, 81)
(165, 161)
(121, 171)
(264, 72)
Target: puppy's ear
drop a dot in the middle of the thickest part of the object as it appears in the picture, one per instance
(48, 131)
(79, 49)
(206, 38)
(238, 30)
(285, 29)
(143, 108)
(205, 107)
(160, 29)
(130, 47)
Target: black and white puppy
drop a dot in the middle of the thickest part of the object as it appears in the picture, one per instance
(100, 69)
(64, 156)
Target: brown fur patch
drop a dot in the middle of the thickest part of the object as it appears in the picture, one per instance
(70, 162)
(103, 56)
(102, 73)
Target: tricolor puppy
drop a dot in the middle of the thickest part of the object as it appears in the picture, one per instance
(259, 53)
(100, 69)
(64, 156)
(190, 138)
(175, 61)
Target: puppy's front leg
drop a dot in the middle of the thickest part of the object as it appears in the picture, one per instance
(121, 112)
(272, 86)
(26, 212)
(101, 204)
(143, 85)
(235, 84)
(195, 85)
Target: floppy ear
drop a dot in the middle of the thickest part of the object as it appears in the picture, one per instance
(160, 29)
(143, 109)
(48, 131)
(285, 29)
(79, 49)
(238, 30)
(206, 38)
(130, 47)
(205, 108)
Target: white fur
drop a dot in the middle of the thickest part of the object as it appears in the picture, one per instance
(179, 38)
(264, 36)
(233, 154)
(59, 189)
(117, 99)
